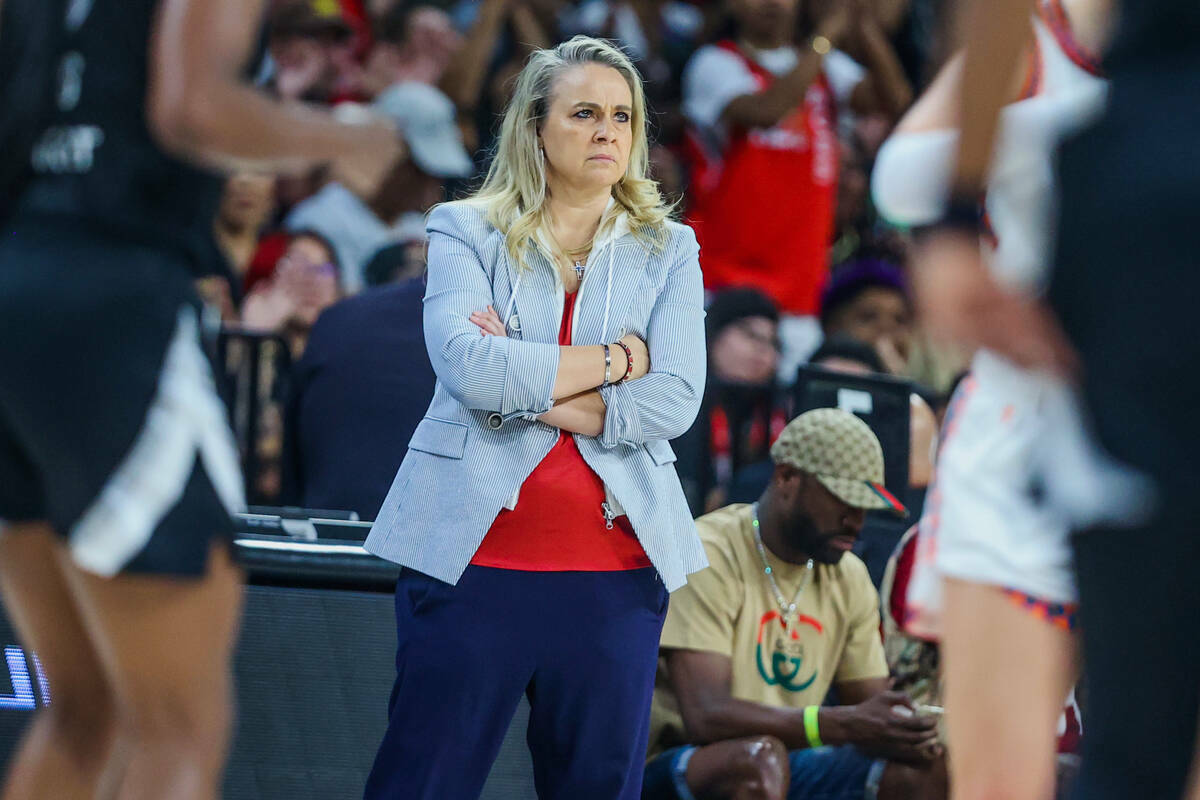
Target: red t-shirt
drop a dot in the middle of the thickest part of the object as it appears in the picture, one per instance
(763, 208)
(558, 524)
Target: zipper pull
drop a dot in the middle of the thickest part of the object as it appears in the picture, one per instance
(609, 515)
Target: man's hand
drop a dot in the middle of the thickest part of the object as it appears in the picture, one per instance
(958, 300)
(887, 726)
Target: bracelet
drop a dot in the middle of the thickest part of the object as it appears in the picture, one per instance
(607, 366)
(811, 730)
(628, 362)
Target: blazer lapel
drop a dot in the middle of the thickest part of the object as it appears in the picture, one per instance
(627, 259)
(536, 302)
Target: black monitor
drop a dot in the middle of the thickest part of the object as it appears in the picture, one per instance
(879, 400)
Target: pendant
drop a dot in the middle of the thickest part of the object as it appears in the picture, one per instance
(579, 270)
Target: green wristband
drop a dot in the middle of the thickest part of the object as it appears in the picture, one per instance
(810, 726)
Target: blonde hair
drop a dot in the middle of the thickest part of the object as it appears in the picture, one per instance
(514, 192)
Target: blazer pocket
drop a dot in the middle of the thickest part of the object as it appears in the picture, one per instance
(439, 437)
(660, 452)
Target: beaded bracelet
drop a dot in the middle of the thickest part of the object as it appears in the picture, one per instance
(628, 362)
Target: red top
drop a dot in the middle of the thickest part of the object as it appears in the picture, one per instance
(558, 524)
(763, 208)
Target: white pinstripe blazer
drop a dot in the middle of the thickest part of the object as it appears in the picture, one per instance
(460, 471)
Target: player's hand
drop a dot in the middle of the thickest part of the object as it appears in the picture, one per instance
(888, 726)
(958, 300)
(364, 169)
(489, 322)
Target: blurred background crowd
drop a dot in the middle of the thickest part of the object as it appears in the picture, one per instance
(318, 288)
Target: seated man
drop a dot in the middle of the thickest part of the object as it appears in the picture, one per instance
(752, 645)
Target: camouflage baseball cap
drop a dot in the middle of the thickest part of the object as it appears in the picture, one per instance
(842, 452)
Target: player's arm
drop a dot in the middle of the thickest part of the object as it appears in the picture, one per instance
(200, 107)
(957, 297)
(997, 33)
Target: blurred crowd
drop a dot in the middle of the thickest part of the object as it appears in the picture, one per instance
(796, 261)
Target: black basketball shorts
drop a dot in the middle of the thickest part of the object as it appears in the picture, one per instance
(111, 429)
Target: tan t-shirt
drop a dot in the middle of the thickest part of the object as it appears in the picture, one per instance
(730, 609)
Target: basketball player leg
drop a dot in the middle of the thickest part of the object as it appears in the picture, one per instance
(1007, 674)
(68, 751)
(166, 644)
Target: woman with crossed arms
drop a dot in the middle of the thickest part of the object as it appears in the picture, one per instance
(537, 513)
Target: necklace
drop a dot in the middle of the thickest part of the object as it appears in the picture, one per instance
(578, 256)
(786, 610)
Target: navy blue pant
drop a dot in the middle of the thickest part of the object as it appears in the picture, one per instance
(582, 646)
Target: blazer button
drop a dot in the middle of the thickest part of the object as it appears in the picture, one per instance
(495, 421)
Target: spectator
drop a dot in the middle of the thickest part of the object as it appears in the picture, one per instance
(263, 264)
(649, 30)
(286, 302)
(311, 43)
(763, 112)
(660, 35)
(357, 226)
(247, 202)
(378, 9)
(841, 353)
(746, 667)
(742, 412)
(852, 216)
(399, 262)
(358, 392)
(413, 43)
(501, 35)
(247, 205)
(305, 283)
(868, 300)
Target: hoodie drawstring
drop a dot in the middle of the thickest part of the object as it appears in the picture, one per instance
(607, 295)
(512, 299)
